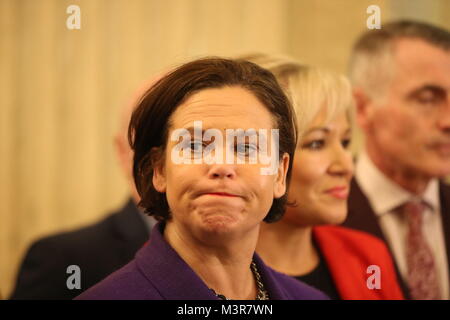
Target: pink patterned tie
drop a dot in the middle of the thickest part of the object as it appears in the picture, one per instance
(422, 274)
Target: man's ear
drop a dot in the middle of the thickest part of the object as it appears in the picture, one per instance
(121, 151)
(280, 184)
(363, 104)
(159, 174)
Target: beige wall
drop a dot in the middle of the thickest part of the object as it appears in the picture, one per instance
(61, 90)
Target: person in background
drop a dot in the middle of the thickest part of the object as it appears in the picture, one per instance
(306, 243)
(209, 209)
(401, 84)
(98, 249)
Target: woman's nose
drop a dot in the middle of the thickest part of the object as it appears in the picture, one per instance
(220, 171)
(342, 163)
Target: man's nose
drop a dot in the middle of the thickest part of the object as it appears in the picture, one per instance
(444, 118)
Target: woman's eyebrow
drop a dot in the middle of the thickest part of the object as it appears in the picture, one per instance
(236, 132)
(323, 129)
(192, 131)
(348, 131)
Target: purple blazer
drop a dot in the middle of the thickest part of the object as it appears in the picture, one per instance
(158, 273)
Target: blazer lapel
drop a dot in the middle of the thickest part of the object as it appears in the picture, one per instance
(167, 272)
(275, 291)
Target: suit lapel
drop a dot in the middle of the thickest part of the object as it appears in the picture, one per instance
(444, 193)
(360, 214)
(362, 217)
(130, 231)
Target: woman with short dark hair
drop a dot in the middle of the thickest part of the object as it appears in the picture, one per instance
(213, 143)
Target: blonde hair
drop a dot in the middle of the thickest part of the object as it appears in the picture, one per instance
(310, 89)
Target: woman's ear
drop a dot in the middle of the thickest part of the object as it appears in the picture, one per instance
(159, 174)
(280, 180)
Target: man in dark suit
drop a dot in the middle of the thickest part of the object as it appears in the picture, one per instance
(401, 79)
(98, 249)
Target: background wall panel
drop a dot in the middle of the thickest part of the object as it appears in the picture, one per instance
(62, 90)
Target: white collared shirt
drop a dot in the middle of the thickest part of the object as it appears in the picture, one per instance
(384, 196)
(148, 220)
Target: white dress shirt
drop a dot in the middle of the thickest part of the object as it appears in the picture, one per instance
(384, 196)
(148, 220)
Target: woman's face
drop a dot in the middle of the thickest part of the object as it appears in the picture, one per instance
(322, 171)
(219, 198)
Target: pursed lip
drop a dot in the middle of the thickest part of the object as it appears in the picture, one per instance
(221, 194)
(443, 147)
(340, 192)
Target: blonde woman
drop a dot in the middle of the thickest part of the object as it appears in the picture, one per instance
(306, 243)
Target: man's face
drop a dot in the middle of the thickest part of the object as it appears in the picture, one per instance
(408, 130)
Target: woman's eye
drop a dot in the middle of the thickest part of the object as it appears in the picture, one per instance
(346, 143)
(314, 145)
(246, 149)
(196, 146)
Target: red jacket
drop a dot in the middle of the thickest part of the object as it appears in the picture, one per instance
(348, 253)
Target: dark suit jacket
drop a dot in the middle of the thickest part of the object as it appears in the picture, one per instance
(159, 273)
(362, 217)
(98, 250)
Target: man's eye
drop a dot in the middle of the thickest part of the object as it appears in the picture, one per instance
(430, 97)
(427, 100)
(246, 149)
(314, 145)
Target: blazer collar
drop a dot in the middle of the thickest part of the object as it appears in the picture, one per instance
(174, 278)
(167, 271)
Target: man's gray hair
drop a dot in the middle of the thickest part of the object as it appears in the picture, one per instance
(371, 64)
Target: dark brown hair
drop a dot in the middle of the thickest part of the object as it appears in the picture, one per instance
(150, 122)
